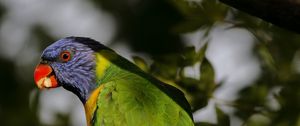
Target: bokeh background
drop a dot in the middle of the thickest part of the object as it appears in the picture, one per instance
(234, 69)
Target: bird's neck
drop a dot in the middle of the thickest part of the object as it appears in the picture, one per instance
(110, 66)
(105, 71)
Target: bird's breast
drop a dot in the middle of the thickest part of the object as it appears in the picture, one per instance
(90, 105)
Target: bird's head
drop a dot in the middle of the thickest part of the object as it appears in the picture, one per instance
(69, 62)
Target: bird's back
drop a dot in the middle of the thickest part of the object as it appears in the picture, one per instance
(131, 97)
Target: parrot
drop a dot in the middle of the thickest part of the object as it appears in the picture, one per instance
(113, 90)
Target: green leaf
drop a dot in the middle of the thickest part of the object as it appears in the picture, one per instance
(266, 57)
(188, 56)
(201, 53)
(207, 75)
(258, 120)
(199, 14)
(252, 100)
(223, 119)
(141, 63)
(201, 89)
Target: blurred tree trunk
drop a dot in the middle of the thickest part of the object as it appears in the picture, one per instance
(283, 13)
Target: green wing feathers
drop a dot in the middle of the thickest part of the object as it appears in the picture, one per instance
(133, 101)
(130, 97)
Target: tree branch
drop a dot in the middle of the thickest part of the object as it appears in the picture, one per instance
(283, 13)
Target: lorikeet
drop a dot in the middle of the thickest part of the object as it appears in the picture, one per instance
(113, 90)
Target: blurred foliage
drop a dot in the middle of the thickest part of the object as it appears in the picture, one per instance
(145, 24)
(14, 95)
(155, 27)
(194, 12)
(14, 99)
(275, 47)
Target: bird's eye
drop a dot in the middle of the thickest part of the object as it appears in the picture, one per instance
(65, 56)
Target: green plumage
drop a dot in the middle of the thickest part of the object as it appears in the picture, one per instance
(131, 97)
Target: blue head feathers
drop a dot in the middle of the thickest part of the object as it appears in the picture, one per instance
(72, 61)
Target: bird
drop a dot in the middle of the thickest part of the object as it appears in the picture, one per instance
(113, 90)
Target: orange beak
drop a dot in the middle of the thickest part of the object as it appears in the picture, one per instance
(44, 77)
